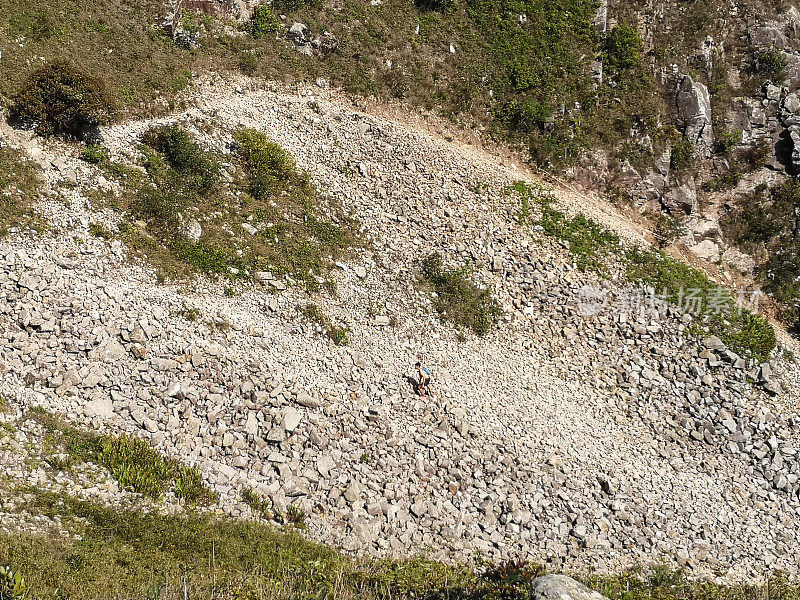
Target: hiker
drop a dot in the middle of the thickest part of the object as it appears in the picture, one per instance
(424, 385)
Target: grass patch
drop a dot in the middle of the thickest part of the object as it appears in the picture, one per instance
(588, 242)
(264, 215)
(457, 298)
(257, 503)
(689, 289)
(673, 282)
(123, 554)
(338, 334)
(263, 22)
(131, 461)
(18, 184)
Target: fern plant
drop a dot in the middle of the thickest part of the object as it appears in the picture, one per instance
(12, 585)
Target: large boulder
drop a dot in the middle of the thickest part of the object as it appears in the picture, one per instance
(561, 587)
(694, 112)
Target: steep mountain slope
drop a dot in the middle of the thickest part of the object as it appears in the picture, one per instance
(591, 439)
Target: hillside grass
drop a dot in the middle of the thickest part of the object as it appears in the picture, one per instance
(457, 298)
(671, 282)
(135, 555)
(537, 69)
(18, 189)
(252, 211)
(130, 461)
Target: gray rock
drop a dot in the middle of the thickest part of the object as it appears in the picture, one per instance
(694, 111)
(108, 350)
(297, 32)
(561, 587)
(291, 419)
(99, 408)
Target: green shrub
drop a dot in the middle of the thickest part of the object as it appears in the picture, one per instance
(263, 22)
(764, 220)
(248, 62)
(136, 466)
(681, 157)
(525, 115)
(295, 517)
(457, 298)
(728, 140)
(667, 228)
(189, 486)
(769, 64)
(292, 230)
(59, 99)
(623, 51)
(268, 165)
(257, 502)
(184, 156)
(94, 154)
(439, 5)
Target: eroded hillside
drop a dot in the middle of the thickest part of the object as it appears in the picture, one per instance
(602, 438)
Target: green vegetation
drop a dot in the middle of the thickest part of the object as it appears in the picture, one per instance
(537, 69)
(124, 554)
(338, 334)
(623, 51)
(263, 22)
(589, 242)
(258, 503)
(300, 231)
(673, 282)
(12, 585)
(264, 214)
(18, 183)
(682, 157)
(60, 99)
(691, 291)
(457, 299)
(131, 461)
(769, 65)
(184, 156)
(94, 154)
(769, 220)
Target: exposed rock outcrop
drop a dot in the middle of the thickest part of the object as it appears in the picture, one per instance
(694, 112)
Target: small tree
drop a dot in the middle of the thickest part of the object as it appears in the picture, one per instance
(263, 22)
(623, 50)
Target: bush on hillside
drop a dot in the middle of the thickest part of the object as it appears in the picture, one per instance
(263, 22)
(769, 64)
(458, 299)
(623, 50)
(681, 157)
(184, 155)
(268, 165)
(59, 99)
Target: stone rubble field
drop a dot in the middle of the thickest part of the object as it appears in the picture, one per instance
(602, 441)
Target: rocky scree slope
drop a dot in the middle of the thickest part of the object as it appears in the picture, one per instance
(595, 442)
